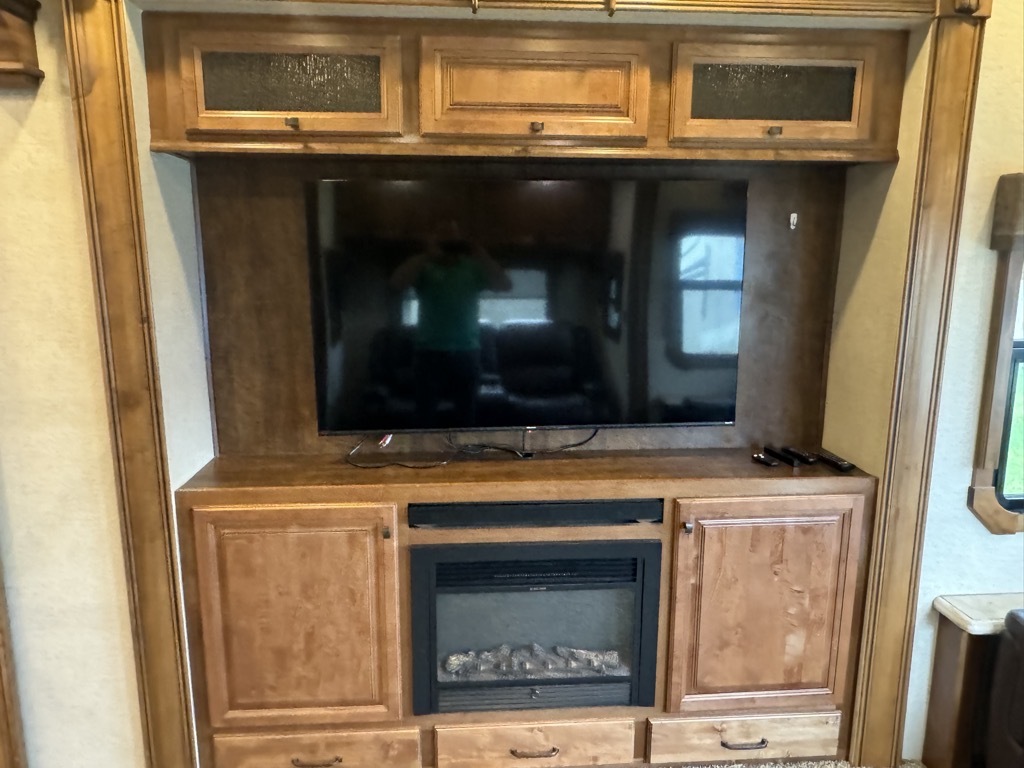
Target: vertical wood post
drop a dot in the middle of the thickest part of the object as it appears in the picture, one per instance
(101, 92)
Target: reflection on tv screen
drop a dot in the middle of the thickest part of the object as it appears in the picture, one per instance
(450, 303)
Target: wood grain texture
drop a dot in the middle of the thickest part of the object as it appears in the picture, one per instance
(19, 60)
(299, 617)
(898, 536)
(599, 90)
(920, 10)
(533, 88)
(959, 697)
(878, 58)
(200, 119)
(764, 603)
(749, 738)
(351, 749)
(100, 94)
(589, 742)
(253, 219)
(1008, 241)
(12, 738)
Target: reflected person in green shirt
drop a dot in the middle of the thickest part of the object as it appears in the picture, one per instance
(448, 278)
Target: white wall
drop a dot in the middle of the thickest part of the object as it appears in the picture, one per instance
(60, 537)
(960, 555)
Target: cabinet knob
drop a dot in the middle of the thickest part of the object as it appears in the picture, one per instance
(688, 528)
(292, 122)
(387, 532)
(775, 130)
(537, 126)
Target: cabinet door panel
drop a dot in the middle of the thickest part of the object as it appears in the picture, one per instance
(787, 88)
(291, 84)
(539, 89)
(299, 613)
(764, 600)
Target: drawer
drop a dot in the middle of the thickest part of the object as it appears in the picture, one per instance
(750, 737)
(534, 89)
(584, 742)
(356, 749)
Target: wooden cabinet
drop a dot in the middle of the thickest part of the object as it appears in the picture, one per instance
(296, 83)
(788, 88)
(534, 88)
(485, 88)
(352, 749)
(580, 742)
(764, 600)
(299, 613)
(759, 737)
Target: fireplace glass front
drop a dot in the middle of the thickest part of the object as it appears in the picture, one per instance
(534, 626)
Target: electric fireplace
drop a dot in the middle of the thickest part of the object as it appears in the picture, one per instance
(534, 626)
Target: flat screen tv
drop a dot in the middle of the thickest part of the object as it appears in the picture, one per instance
(465, 297)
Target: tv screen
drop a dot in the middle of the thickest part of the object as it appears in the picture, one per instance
(469, 300)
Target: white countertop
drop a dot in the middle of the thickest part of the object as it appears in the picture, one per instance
(978, 614)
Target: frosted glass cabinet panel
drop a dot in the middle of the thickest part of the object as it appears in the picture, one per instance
(782, 89)
(294, 83)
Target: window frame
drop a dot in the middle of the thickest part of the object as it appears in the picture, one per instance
(983, 497)
(703, 225)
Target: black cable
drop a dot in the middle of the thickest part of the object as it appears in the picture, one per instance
(466, 449)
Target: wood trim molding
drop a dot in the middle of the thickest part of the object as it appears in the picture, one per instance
(880, 703)
(101, 95)
(1008, 242)
(12, 742)
(19, 62)
(109, 164)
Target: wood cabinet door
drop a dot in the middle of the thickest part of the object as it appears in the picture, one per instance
(291, 84)
(299, 613)
(764, 599)
(788, 89)
(534, 89)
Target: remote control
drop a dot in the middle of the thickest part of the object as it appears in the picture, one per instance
(835, 461)
(785, 458)
(760, 458)
(796, 453)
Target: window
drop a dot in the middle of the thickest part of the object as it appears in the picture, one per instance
(709, 289)
(996, 494)
(1010, 475)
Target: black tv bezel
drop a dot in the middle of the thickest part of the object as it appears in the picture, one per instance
(406, 169)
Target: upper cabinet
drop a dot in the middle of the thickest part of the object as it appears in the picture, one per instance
(343, 86)
(19, 62)
(778, 89)
(534, 88)
(296, 83)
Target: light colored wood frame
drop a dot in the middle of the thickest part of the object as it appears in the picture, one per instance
(843, 513)
(103, 111)
(199, 119)
(686, 128)
(1008, 242)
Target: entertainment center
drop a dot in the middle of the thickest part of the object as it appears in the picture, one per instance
(649, 596)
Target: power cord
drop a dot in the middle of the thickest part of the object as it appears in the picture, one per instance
(461, 449)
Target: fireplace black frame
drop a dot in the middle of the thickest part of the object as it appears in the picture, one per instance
(424, 560)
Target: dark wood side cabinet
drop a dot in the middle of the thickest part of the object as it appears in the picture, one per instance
(19, 63)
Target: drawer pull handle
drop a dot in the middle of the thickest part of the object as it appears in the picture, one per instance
(292, 122)
(757, 745)
(301, 764)
(537, 126)
(520, 754)
(775, 130)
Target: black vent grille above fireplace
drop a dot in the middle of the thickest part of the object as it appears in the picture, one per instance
(496, 574)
